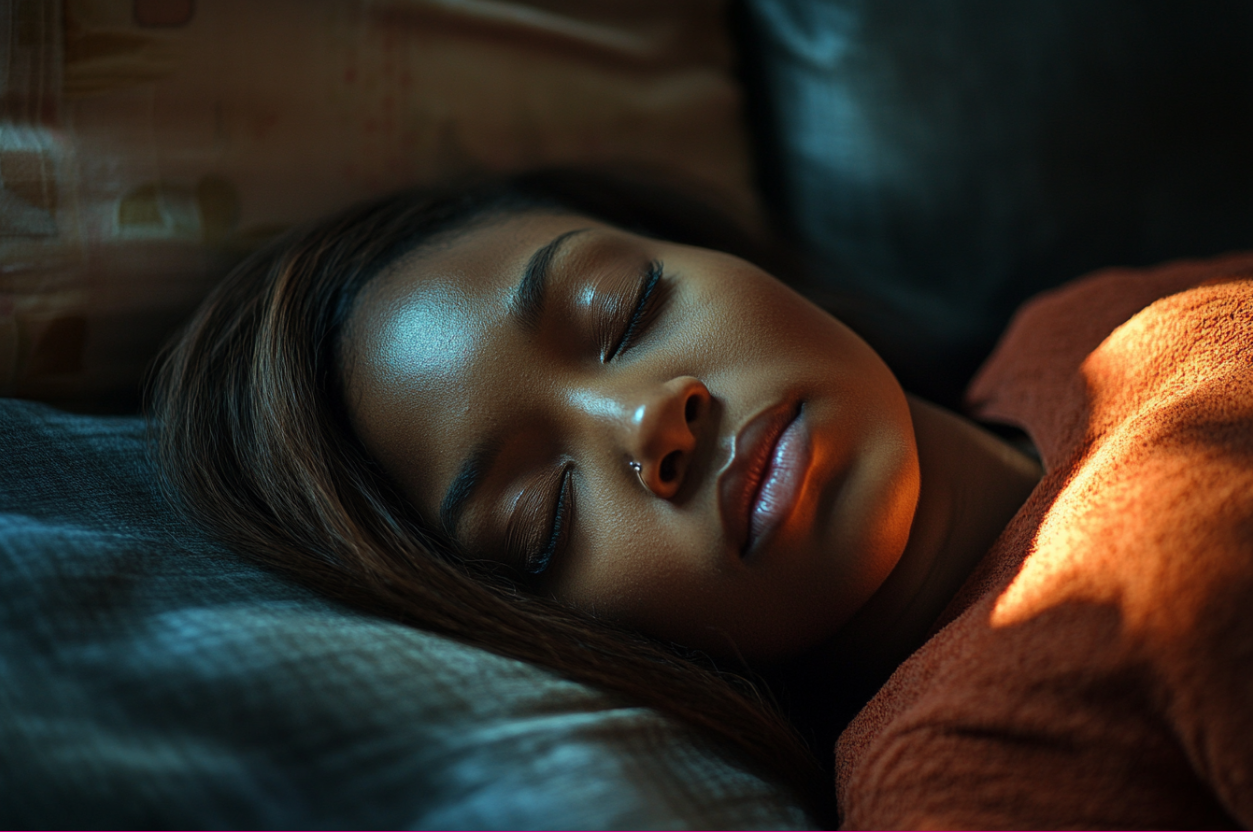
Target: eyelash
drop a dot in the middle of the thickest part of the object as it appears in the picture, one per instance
(649, 300)
(538, 563)
(648, 303)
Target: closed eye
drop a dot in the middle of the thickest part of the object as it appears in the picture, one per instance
(559, 531)
(649, 301)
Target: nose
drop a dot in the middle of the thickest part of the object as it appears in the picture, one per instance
(663, 430)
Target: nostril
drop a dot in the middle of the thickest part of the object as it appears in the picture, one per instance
(692, 409)
(669, 467)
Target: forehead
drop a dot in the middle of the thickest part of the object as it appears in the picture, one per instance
(424, 316)
(426, 339)
(477, 262)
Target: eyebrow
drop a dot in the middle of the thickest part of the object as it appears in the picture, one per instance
(528, 297)
(463, 485)
(527, 306)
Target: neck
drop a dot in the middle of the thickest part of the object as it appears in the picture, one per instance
(972, 484)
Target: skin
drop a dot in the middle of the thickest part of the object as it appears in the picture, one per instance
(439, 366)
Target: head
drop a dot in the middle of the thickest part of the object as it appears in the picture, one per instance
(657, 434)
(555, 418)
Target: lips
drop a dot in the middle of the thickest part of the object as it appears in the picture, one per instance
(759, 488)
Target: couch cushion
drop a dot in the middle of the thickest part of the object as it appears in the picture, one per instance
(950, 159)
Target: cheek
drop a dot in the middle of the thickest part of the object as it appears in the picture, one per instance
(746, 317)
(646, 569)
(662, 582)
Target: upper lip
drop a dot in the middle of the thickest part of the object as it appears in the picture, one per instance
(740, 481)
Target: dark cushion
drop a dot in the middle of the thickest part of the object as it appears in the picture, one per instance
(148, 677)
(947, 160)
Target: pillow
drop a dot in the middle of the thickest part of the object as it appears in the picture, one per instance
(145, 145)
(947, 160)
(150, 678)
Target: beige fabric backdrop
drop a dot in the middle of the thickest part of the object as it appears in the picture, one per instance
(147, 144)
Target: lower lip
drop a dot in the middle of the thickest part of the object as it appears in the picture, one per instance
(781, 484)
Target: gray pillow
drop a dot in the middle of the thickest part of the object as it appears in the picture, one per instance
(148, 677)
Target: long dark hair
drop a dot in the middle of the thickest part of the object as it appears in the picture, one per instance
(254, 443)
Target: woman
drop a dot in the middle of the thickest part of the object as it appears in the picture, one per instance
(501, 415)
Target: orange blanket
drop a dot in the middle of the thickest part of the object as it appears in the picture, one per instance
(1097, 669)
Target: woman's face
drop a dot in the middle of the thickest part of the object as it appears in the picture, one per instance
(661, 435)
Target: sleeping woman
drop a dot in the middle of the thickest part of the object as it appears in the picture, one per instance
(561, 419)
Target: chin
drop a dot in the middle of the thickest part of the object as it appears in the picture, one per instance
(864, 522)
